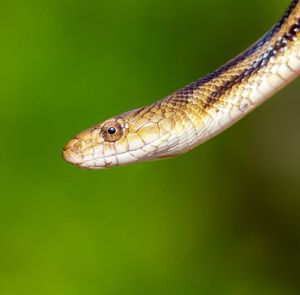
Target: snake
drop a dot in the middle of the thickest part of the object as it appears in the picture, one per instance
(199, 111)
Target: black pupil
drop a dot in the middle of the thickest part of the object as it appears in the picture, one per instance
(111, 130)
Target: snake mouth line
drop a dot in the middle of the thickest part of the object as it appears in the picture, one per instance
(107, 163)
(88, 164)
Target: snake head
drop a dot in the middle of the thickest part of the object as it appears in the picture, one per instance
(134, 136)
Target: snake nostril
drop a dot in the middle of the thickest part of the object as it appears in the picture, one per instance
(70, 144)
(72, 151)
(76, 147)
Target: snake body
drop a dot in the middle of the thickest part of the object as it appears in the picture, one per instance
(199, 111)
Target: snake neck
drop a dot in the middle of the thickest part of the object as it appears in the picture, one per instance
(216, 101)
(240, 69)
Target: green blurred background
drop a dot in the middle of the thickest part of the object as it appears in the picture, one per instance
(222, 219)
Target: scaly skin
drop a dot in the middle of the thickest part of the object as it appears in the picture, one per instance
(199, 111)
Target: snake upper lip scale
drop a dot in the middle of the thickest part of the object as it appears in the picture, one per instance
(199, 111)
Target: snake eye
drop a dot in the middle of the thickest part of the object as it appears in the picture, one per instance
(112, 131)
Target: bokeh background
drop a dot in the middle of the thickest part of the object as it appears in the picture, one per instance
(222, 219)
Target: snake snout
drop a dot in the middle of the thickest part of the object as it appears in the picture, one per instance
(72, 151)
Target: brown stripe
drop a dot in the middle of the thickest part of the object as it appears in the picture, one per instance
(262, 61)
(187, 92)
